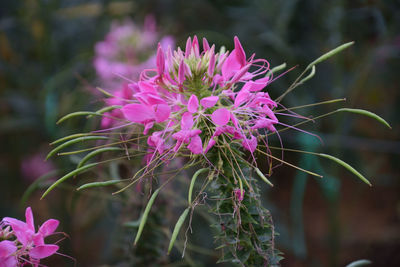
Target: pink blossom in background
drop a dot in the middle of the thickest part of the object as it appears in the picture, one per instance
(128, 49)
(35, 166)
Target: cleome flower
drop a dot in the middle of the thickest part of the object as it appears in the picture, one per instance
(28, 245)
(197, 99)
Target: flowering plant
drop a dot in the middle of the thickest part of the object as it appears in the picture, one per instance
(212, 109)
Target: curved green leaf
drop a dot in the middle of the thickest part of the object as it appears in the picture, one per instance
(262, 176)
(98, 184)
(73, 141)
(347, 166)
(75, 114)
(68, 175)
(366, 113)
(96, 152)
(192, 182)
(359, 263)
(69, 137)
(330, 54)
(309, 76)
(145, 215)
(177, 228)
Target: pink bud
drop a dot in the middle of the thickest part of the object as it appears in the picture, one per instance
(160, 60)
(206, 46)
(188, 47)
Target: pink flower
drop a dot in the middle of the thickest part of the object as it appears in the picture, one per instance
(193, 99)
(32, 242)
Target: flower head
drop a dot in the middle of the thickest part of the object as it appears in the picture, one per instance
(30, 243)
(197, 99)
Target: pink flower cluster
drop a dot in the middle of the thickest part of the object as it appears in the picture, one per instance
(198, 99)
(22, 244)
(128, 49)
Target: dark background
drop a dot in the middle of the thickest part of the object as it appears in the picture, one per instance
(46, 51)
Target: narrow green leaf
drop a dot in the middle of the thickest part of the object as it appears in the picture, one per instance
(68, 175)
(366, 113)
(104, 92)
(145, 215)
(177, 228)
(309, 76)
(98, 184)
(192, 182)
(73, 141)
(105, 109)
(69, 137)
(277, 68)
(347, 166)
(96, 152)
(330, 54)
(75, 114)
(359, 263)
(262, 176)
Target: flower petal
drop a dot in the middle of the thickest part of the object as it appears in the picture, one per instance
(186, 121)
(209, 102)
(137, 113)
(250, 144)
(48, 227)
(43, 251)
(221, 116)
(239, 51)
(241, 97)
(7, 248)
(29, 219)
(160, 60)
(162, 112)
(196, 146)
(193, 104)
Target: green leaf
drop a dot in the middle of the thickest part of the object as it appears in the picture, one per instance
(35, 185)
(145, 215)
(105, 109)
(359, 263)
(69, 137)
(192, 182)
(330, 54)
(75, 114)
(178, 227)
(366, 113)
(99, 184)
(309, 76)
(96, 152)
(347, 166)
(263, 177)
(74, 141)
(68, 175)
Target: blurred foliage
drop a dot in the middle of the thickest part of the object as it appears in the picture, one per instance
(46, 51)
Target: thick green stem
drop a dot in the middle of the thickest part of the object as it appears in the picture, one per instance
(245, 232)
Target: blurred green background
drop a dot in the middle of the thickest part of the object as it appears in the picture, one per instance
(46, 71)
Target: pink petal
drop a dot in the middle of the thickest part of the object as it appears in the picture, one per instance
(230, 66)
(259, 84)
(48, 227)
(210, 144)
(137, 113)
(196, 146)
(211, 64)
(206, 46)
(186, 121)
(239, 51)
(195, 46)
(188, 47)
(181, 72)
(29, 219)
(221, 116)
(209, 102)
(241, 97)
(7, 248)
(241, 74)
(162, 112)
(193, 104)
(160, 60)
(43, 251)
(250, 144)
(146, 87)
